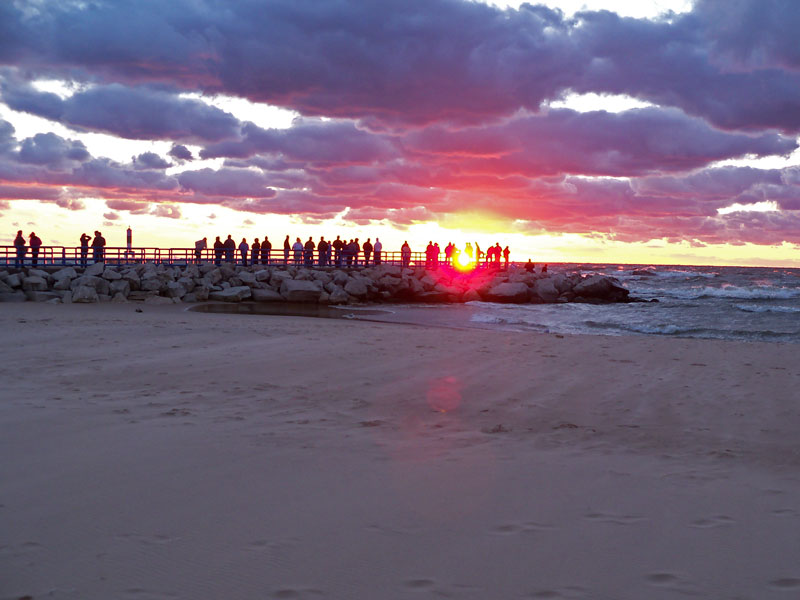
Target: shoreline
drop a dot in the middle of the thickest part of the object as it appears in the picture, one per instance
(171, 453)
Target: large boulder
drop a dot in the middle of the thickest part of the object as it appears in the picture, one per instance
(266, 295)
(95, 270)
(120, 286)
(85, 293)
(263, 275)
(601, 287)
(278, 277)
(100, 285)
(34, 284)
(356, 288)
(508, 293)
(111, 274)
(338, 296)
(301, 291)
(33, 272)
(232, 294)
(546, 289)
(65, 273)
(14, 280)
(174, 290)
(471, 295)
(247, 277)
(37, 296)
(17, 296)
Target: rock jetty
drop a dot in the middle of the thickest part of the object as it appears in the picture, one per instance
(161, 283)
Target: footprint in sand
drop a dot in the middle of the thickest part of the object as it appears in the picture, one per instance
(785, 583)
(716, 521)
(615, 519)
(514, 528)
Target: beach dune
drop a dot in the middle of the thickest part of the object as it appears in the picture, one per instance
(170, 454)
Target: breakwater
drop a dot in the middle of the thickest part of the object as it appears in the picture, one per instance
(159, 283)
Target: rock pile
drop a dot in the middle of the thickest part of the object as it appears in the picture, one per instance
(161, 283)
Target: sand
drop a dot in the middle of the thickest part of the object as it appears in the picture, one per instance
(167, 454)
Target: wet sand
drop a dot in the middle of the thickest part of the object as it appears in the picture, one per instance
(173, 454)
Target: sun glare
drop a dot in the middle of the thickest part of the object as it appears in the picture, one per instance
(464, 262)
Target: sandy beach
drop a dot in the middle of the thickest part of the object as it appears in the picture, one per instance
(169, 454)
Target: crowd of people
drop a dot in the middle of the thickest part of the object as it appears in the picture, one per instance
(339, 253)
(335, 253)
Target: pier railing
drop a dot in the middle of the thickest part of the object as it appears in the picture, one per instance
(78, 256)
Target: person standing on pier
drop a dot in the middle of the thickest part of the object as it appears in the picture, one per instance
(85, 248)
(405, 254)
(286, 247)
(367, 252)
(378, 247)
(243, 248)
(22, 250)
(219, 248)
(230, 249)
(199, 246)
(98, 247)
(266, 248)
(255, 252)
(337, 244)
(297, 250)
(322, 250)
(308, 252)
(506, 252)
(35, 243)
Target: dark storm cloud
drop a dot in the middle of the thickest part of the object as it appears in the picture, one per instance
(419, 61)
(128, 112)
(181, 153)
(150, 160)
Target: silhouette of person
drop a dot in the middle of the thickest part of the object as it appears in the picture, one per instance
(255, 252)
(506, 252)
(35, 243)
(84, 239)
(297, 248)
(377, 248)
(243, 248)
(356, 250)
(219, 248)
(367, 252)
(338, 246)
(448, 252)
(308, 252)
(529, 266)
(286, 247)
(22, 249)
(544, 269)
(230, 249)
(428, 254)
(322, 249)
(266, 248)
(199, 246)
(435, 255)
(405, 254)
(98, 247)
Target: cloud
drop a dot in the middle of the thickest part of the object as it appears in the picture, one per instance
(181, 153)
(166, 210)
(52, 150)
(150, 160)
(130, 112)
(110, 216)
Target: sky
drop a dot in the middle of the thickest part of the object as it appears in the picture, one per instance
(660, 132)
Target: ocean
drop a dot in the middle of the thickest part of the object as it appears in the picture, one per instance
(728, 303)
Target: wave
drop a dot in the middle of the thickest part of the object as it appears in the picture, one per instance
(730, 292)
(760, 308)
